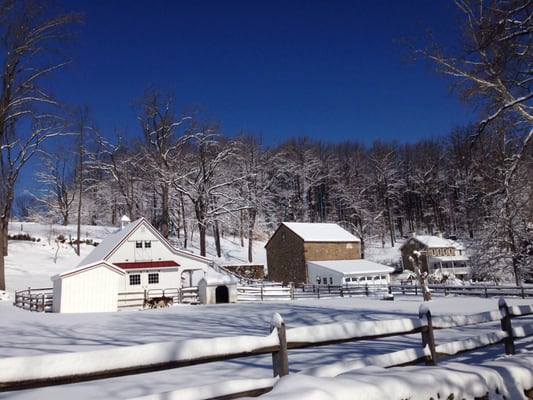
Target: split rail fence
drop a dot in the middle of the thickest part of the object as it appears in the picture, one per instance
(514, 323)
(36, 299)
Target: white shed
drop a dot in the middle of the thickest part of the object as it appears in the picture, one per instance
(90, 288)
(216, 288)
(348, 272)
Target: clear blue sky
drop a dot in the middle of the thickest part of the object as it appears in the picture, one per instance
(331, 70)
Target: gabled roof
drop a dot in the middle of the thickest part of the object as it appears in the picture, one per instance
(88, 267)
(112, 242)
(353, 267)
(434, 242)
(320, 232)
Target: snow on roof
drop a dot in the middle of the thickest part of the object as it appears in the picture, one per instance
(87, 267)
(449, 258)
(321, 232)
(106, 246)
(353, 267)
(111, 242)
(213, 277)
(435, 241)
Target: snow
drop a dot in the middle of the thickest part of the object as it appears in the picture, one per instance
(321, 232)
(355, 267)
(435, 241)
(38, 344)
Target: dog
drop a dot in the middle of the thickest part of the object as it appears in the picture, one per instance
(158, 302)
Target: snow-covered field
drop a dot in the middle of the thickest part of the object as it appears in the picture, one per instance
(27, 333)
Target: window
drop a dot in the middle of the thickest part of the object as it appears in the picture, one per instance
(139, 244)
(330, 280)
(147, 244)
(135, 279)
(153, 278)
(324, 281)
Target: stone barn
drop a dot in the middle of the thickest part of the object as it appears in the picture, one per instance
(293, 244)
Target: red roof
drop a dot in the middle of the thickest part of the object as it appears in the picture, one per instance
(147, 264)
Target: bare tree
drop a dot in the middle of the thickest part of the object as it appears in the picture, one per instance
(204, 182)
(159, 125)
(57, 177)
(493, 68)
(123, 166)
(30, 50)
(384, 164)
(254, 191)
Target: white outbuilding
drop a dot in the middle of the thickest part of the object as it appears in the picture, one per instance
(135, 260)
(91, 288)
(349, 272)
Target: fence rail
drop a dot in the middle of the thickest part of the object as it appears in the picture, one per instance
(127, 299)
(264, 292)
(467, 290)
(39, 299)
(16, 374)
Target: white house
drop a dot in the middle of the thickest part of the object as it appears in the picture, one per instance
(349, 272)
(135, 258)
(438, 255)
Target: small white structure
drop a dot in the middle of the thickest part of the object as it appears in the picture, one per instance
(348, 272)
(136, 258)
(217, 288)
(92, 288)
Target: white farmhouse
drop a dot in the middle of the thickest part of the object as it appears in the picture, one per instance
(437, 255)
(137, 258)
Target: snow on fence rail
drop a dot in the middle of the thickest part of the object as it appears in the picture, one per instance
(264, 292)
(324, 291)
(18, 373)
(467, 290)
(40, 299)
(128, 299)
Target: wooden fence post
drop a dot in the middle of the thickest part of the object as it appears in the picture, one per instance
(506, 326)
(291, 290)
(280, 358)
(427, 334)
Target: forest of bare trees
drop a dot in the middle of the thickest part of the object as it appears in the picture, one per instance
(188, 177)
(219, 185)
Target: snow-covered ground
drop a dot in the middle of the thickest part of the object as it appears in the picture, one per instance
(330, 372)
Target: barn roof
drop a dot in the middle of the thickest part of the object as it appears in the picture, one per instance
(88, 267)
(353, 267)
(434, 242)
(320, 232)
(113, 241)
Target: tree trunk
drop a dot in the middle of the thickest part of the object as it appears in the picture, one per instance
(184, 221)
(202, 231)
(216, 232)
(165, 215)
(252, 214)
(241, 229)
(3, 252)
